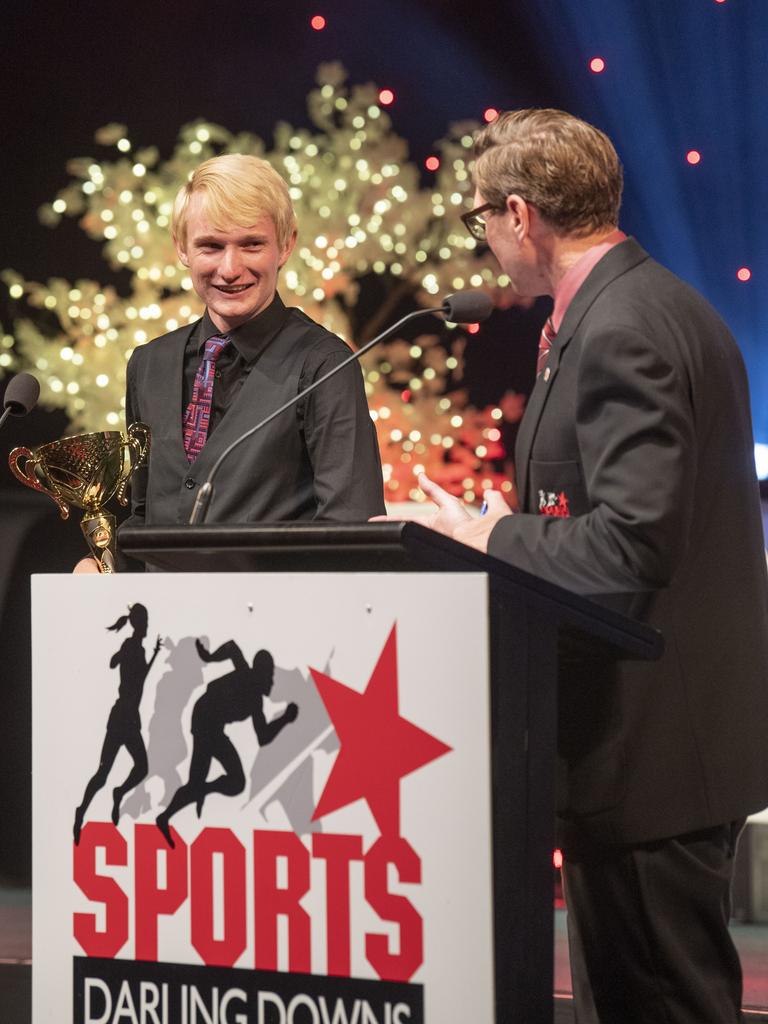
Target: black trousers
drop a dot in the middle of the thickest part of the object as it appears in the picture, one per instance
(648, 930)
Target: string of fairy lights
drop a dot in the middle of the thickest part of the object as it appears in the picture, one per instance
(361, 210)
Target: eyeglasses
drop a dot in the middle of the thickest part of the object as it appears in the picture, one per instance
(474, 221)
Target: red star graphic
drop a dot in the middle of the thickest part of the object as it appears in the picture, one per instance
(377, 746)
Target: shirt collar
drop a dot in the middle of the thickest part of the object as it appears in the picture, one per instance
(576, 275)
(251, 338)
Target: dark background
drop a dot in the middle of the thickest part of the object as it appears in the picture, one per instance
(680, 75)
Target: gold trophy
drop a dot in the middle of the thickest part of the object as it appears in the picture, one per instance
(86, 471)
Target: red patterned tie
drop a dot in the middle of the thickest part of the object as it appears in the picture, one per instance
(545, 344)
(198, 414)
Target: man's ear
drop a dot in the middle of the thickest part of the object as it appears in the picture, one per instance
(181, 252)
(520, 215)
(286, 253)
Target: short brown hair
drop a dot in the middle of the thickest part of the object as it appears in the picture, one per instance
(237, 189)
(565, 167)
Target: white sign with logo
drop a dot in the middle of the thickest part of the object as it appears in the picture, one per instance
(261, 798)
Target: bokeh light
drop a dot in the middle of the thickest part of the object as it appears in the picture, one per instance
(490, 114)
(744, 273)
(597, 65)
(386, 97)
(432, 163)
(693, 156)
(318, 23)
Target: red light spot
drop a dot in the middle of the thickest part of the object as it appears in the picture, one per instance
(494, 434)
(386, 96)
(693, 156)
(719, 1)
(318, 23)
(473, 328)
(557, 858)
(490, 114)
(597, 65)
(432, 163)
(744, 273)
(405, 394)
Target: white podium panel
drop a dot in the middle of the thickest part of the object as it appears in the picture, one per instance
(316, 748)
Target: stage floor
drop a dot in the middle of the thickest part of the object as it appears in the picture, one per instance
(16, 958)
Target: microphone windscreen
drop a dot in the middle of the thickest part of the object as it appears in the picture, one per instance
(469, 307)
(21, 394)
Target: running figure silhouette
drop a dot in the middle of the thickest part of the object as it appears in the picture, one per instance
(124, 722)
(230, 698)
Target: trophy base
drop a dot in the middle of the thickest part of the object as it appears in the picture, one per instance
(99, 532)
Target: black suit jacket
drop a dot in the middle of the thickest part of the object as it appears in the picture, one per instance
(318, 460)
(637, 487)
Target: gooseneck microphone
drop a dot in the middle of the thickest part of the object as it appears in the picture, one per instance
(20, 396)
(466, 307)
(469, 307)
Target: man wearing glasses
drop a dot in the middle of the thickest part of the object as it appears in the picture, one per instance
(637, 488)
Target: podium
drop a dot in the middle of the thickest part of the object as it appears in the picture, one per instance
(388, 857)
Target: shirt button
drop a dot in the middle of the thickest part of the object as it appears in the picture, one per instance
(189, 483)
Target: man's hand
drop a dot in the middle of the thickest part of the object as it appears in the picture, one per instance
(86, 565)
(452, 518)
(475, 532)
(450, 511)
(291, 712)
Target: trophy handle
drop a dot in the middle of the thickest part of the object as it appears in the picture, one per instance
(138, 447)
(138, 442)
(31, 481)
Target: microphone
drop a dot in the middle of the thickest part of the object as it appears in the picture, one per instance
(467, 307)
(20, 396)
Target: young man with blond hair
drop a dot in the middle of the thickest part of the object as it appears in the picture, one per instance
(203, 385)
(636, 478)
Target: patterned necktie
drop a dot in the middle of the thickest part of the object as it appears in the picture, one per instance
(548, 334)
(198, 414)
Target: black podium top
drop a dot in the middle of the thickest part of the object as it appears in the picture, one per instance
(372, 547)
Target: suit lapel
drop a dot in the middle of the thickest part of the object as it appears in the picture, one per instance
(617, 261)
(530, 421)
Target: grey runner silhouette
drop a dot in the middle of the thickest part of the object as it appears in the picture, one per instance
(231, 698)
(284, 773)
(124, 722)
(167, 746)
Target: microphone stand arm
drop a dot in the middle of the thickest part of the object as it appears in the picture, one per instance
(205, 493)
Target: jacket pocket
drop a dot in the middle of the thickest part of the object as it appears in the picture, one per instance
(557, 489)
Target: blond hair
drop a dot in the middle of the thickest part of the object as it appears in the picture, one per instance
(236, 189)
(565, 167)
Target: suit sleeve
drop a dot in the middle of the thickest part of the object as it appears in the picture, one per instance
(342, 444)
(636, 442)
